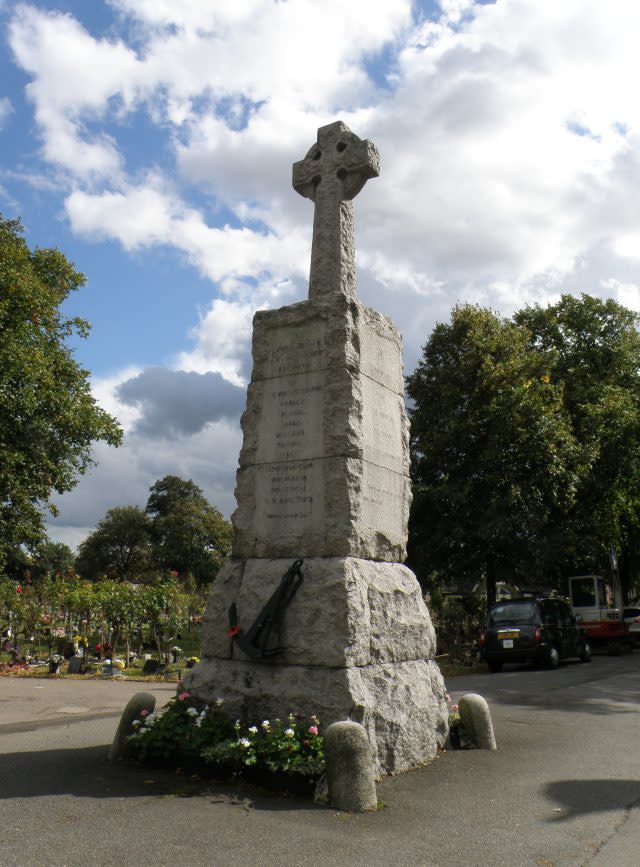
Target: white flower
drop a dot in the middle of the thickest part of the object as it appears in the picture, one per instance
(253, 730)
(150, 720)
(266, 725)
(136, 724)
(191, 711)
(289, 733)
(219, 701)
(199, 722)
(245, 742)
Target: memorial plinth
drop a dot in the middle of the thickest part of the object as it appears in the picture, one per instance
(325, 461)
(324, 476)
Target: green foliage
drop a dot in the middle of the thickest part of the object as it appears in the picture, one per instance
(493, 457)
(179, 733)
(51, 558)
(189, 535)
(187, 730)
(594, 352)
(526, 443)
(49, 416)
(121, 606)
(119, 547)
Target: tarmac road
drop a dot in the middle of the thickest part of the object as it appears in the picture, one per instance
(562, 789)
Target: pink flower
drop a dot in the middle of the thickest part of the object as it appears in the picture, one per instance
(313, 730)
(144, 713)
(183, 695)
(447, 696)
(455, 708)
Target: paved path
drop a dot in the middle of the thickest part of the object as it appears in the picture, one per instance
(562, 789)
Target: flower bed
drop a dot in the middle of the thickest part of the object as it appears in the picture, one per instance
(277, 754)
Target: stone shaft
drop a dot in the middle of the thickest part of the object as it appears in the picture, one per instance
(333, 257)
(333, 172)
(324, 468)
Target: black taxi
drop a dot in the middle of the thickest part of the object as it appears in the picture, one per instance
(541, 631)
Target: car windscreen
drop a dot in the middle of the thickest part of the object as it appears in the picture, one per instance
(514, 612)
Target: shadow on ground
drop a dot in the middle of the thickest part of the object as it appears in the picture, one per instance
(580, 797)
(86, 773)
(573, 687)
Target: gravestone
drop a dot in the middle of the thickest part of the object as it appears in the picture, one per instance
(324, 477)
(76, 665)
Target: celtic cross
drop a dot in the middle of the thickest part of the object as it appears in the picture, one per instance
(333, 172)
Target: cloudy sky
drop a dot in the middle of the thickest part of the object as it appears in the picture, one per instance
(152, 141)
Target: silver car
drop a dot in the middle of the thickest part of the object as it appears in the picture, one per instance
(632, 619)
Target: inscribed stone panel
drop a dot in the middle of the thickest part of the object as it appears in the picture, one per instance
(386, 497)
(292, 418)
(381, 351)
(385, 442)
(286, 346)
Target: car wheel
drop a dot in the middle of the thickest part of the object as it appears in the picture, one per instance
(585, 653)
(553, 658)
(494, 667)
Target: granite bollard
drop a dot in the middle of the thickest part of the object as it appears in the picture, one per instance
(475, 718)
(141, 701)
(350, 767)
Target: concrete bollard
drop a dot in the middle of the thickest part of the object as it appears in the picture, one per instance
(140, 701)
(350, 773)
(475, 718)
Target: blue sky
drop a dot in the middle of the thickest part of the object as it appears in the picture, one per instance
(152, 142)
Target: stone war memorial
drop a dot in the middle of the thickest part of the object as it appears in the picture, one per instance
(315, 613)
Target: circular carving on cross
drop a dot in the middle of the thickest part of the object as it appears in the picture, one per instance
(338, 153)
(332, 173)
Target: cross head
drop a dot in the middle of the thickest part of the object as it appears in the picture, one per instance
(333, 172)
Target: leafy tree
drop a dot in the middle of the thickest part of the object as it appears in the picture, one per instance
(51, 558)
(188, 534)
(119, 547)
(122, 608)
(49, 416)
(494, 461)
(157, 606)
(593, 347)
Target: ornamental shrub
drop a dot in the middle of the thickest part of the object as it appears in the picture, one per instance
(187, 730)
(178, 733)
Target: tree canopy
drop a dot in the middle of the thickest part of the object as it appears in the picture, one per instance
(119, 547)
(526, 444)
(48, 416)
(179, 532)
(594, 350)
(494, 461)
(188, 534)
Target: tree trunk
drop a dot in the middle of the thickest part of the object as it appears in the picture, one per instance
(490, 578)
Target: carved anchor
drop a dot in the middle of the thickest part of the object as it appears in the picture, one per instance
(254, 641)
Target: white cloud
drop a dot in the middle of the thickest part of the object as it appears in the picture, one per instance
(105, 391)
(627, 294)
(509, 139)
(123, 476)
(223, 338)
(6, 109)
